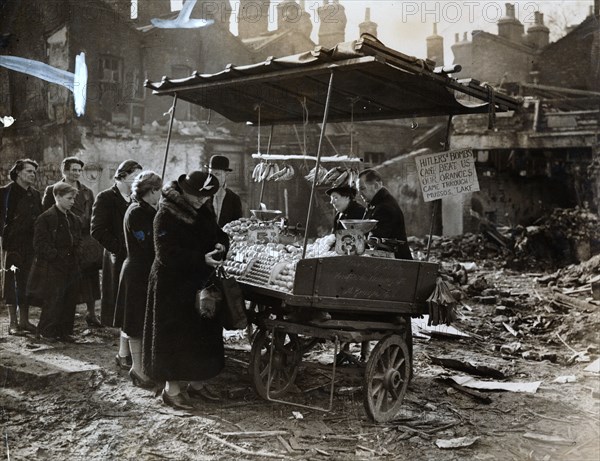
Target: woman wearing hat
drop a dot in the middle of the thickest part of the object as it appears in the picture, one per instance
(343, 200)
(179, 345)
(107, 227)
(133, 285)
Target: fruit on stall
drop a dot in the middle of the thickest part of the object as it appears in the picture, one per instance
(272, 265)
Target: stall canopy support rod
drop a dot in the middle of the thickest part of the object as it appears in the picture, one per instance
(438, 203)
(316, 178)
(262, 186)
(172, 111)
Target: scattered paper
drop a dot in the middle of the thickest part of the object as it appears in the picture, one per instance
(459, 442)
(548, 438)
(469, 267)
(565, 379)
(297, 415)
(468, 381)
(593, 367)
(421, 326)
(7, 121)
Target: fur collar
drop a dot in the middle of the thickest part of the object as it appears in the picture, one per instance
(173, 202)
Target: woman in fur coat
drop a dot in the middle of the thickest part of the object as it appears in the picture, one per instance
(178, 344)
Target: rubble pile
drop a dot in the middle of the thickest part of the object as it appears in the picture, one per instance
(563, 237)
(466, 247)
(575, 275)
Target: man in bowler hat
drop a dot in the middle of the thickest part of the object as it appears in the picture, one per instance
(226, 204)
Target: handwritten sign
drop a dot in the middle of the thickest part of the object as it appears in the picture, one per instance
(447, 173)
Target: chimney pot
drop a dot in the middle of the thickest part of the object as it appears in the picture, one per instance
(510, 10)
(456, 37)
(368, 14)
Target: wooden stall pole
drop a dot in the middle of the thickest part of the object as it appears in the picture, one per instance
(172, 111)
(438, 203)
(316, 178)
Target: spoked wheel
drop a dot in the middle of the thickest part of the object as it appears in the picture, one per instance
(386, 378)
(287, 356)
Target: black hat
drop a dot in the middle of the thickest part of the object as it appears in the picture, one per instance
(199, 183)
(344, 190)
(126, 168)
(219, 162)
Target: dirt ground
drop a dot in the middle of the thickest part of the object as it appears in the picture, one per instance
(69, 402)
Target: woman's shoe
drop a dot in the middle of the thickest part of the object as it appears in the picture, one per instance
(138, 381)
(124, 363)
(203, 393)
(92, 321)
(15, 330)
(176, 401)
(28, 326)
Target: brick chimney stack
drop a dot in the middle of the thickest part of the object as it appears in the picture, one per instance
(435, 47)
(509, 26)
(538, 34)
(368, 26)
(332, 20)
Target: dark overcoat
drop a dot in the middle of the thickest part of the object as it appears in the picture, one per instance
(19, 208)
(55, 275)
(107, 228)
(354, 211)
(385, 209)
(178, 344)
(231, 209)
(133, 285)
(89, 286)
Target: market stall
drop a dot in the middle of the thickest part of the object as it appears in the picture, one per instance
(302, 289)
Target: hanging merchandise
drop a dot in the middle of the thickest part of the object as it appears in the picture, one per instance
(285, 173)
(320, 175)
(338, 176)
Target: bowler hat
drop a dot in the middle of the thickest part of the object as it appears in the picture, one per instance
(219, 162)
(198, 183)
(344, 190)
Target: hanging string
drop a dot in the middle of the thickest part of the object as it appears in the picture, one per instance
(257, 107)
(304, 122)
(353, 101)
(304, 128)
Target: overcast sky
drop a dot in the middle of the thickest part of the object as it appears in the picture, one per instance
(404, 25)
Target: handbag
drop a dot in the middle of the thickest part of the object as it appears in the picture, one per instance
(91, 253)
(232, 309)
(207, 301)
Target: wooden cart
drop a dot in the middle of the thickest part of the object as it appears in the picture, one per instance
(369, 298)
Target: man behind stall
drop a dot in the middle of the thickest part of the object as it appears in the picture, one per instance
(383, 207)
(226, 204)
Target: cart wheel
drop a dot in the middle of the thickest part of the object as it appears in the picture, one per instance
(386, 378)
(287, 356)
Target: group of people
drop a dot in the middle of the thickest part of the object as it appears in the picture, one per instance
(159, 245)
(153, 259)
